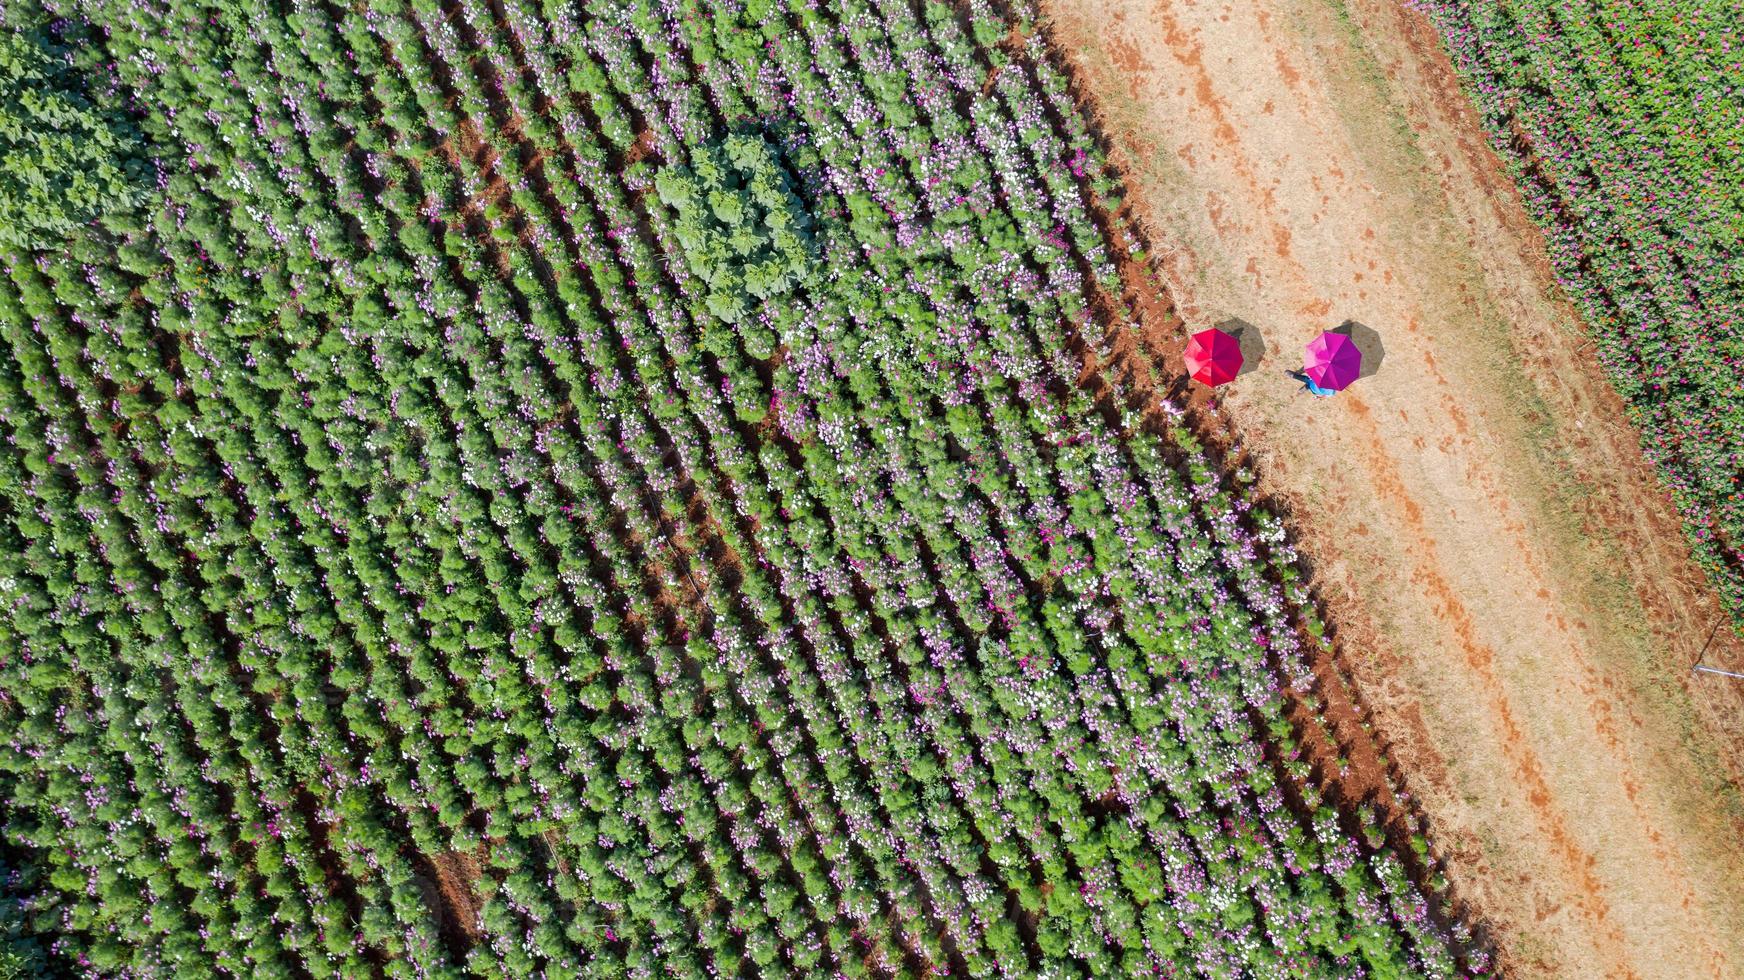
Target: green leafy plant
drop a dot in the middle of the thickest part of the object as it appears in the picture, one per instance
(20, 954)
(744, 231)
(64, 159)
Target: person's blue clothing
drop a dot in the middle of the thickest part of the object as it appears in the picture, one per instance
(1308, 383)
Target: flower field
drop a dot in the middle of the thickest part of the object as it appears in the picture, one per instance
(615, 489)
(1621, 123)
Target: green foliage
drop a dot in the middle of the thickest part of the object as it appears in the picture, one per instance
(20, 959)
(743, 229)
(64, 159)
(399, 580)
(20, 955)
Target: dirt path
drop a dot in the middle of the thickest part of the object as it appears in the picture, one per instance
(1515, 604)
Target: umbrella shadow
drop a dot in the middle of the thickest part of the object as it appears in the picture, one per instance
(1247, 336)
(1368, 342)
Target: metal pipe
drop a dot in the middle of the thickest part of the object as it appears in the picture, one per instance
(1716, 670)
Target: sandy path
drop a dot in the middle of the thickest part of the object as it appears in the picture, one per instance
(1515, 605)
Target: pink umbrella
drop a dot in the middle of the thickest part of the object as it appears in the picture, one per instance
(1213, 357)
(1333, 361)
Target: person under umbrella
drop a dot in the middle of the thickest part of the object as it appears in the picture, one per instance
(1332, 363)
(1213, 357)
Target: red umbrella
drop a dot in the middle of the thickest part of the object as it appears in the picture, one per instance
(1333, 361)
(1213, 357)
